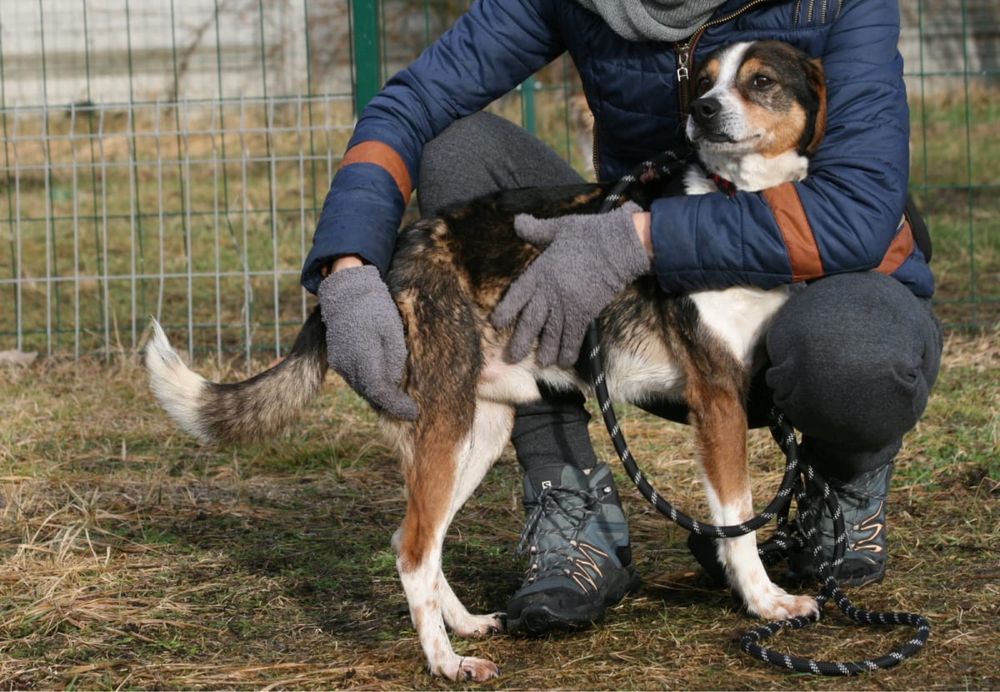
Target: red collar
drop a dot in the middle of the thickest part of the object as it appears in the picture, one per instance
(724, 185)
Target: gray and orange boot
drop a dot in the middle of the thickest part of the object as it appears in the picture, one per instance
(580, 559)
(862, 500)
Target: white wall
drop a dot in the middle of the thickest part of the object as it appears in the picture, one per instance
(151, 29)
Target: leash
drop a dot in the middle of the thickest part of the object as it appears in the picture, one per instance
(798, 477)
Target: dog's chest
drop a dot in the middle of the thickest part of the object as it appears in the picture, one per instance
(737, 316)
(697, 182)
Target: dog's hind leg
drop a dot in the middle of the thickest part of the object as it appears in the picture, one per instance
(490, 432)
(433, 480)
(720, 419)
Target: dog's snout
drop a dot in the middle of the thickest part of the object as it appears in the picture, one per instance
(704, 110)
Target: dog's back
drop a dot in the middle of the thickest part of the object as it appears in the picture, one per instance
(446, 275)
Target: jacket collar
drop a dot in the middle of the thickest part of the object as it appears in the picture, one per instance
(731, 6)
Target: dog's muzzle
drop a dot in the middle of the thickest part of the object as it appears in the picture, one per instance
(706, 113)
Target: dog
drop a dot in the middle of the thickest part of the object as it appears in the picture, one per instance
(758, 113)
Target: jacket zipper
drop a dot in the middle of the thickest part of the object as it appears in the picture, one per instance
(685, 50)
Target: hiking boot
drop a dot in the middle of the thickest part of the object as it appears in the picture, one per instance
(862, 500)
(576, 538)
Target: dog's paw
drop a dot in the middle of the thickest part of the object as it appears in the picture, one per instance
(464, 668)
(480, 625)
(774, 603)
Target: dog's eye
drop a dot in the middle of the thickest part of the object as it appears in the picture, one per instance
(761, 81)
(704, 84)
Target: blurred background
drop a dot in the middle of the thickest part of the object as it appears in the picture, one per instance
(169, 157)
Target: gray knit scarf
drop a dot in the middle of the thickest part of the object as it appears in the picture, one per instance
(653, 20)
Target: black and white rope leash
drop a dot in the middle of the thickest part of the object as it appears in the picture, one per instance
(784, 434)
(794, 484)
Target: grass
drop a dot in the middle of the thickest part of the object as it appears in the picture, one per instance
(163, 189)
(132, 557)
(954, 174)
(83, 197)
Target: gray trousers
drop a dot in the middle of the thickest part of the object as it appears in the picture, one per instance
(852, 357)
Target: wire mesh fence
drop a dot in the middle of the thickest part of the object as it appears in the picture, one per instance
(166, 159)
(170, 157)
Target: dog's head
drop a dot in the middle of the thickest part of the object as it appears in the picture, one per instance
(763, 97)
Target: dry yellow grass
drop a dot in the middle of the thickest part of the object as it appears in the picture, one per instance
(132, 557)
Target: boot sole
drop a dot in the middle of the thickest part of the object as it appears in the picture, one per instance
(539, 618)
(843, 582)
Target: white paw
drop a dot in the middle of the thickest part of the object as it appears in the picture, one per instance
(467, 668)
(479, 625)
(774, 603)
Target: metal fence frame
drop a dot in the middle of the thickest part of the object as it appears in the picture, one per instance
(199, 210)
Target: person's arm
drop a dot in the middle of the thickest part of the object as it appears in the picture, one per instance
(844, 216)
(492, 48)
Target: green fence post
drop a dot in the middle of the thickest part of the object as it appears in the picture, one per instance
(367, 63)
(528, 105)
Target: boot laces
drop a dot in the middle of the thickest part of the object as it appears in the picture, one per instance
(551, 533)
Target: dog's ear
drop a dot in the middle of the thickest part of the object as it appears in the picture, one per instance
(817, 88)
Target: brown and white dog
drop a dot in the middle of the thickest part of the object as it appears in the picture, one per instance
(759, 113)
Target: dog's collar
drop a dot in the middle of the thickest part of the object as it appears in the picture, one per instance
(724, 185)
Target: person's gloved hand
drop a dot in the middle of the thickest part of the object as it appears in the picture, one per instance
(365, 342)
(590, 258)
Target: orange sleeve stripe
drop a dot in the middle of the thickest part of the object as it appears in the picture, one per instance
(900, 248)
(385, 157)
(803, 253)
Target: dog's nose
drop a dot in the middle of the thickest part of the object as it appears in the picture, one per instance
(704, 110)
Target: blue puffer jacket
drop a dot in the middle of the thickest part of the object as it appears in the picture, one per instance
(844, 217)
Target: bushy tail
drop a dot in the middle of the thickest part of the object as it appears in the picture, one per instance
(246, 410)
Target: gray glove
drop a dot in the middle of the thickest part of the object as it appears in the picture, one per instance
(365, 343)
(590, 258)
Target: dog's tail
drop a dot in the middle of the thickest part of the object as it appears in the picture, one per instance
(243, 411)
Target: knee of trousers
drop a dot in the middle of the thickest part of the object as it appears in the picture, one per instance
(483, 153)
(456, 141)
(457, 164)
(853, 358)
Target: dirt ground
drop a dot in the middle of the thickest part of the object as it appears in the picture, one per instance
(133, 557)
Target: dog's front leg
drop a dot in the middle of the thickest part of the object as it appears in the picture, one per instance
(744, 570)
(721, 423)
